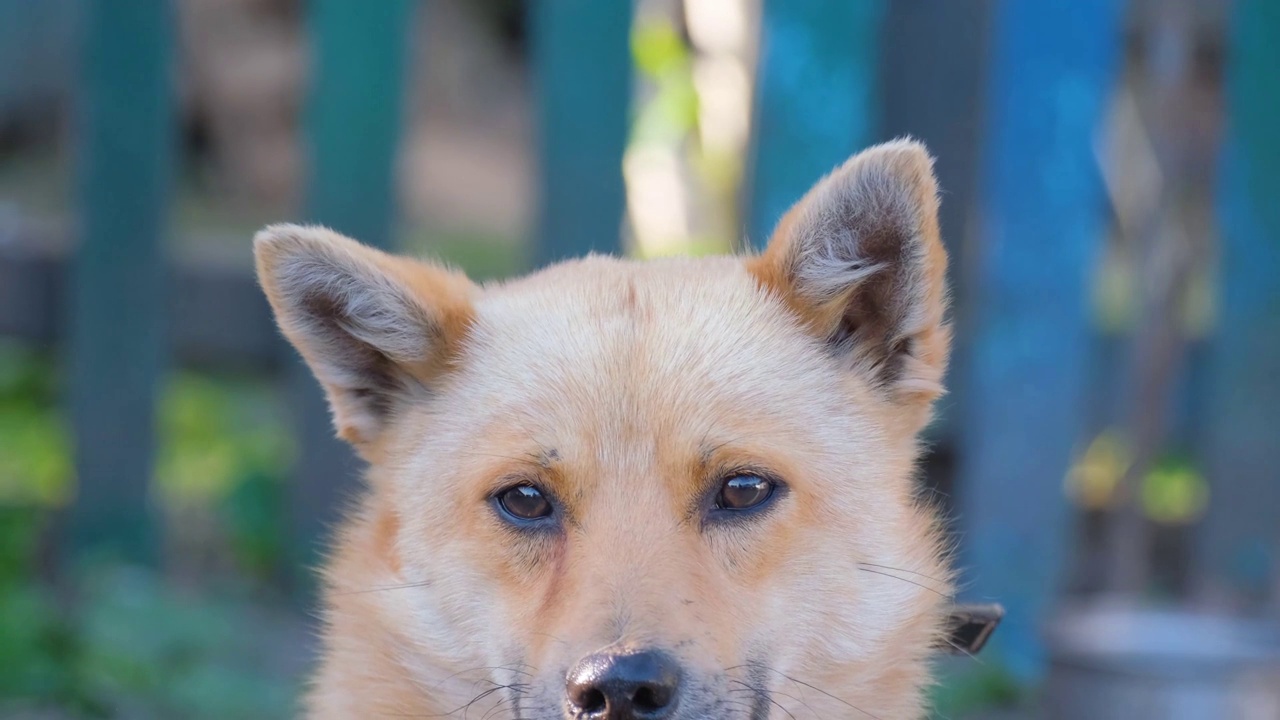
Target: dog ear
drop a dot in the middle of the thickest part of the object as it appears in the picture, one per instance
(860, 260)
(373, 328)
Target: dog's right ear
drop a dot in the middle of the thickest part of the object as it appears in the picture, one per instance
(373, 328)
(860, 261)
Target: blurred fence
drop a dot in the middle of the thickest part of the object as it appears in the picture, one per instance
(1009, 95)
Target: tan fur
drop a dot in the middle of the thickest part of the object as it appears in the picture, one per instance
(630, 389)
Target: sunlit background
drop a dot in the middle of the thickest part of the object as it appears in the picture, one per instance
(1109, 453)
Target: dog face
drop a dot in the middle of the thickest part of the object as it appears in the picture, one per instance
(611, 489)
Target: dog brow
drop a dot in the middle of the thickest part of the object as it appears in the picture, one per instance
(548, 457)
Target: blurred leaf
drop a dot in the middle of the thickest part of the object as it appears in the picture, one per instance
(35, 447)
(974, 687)
(689, 247)
(32, 659)
(135, 649)
(1199, 308)
(1093, 479)
(482, 256)
(216, 433)
(253, 511)
(20, 531)
(1113, 290)
(657, 49)
(670, 112)
(1174, 492)
(669, 116)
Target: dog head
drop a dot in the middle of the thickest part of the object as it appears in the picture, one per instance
(614, 489)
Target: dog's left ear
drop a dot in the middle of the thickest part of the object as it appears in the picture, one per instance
(376, 330)
(859, 259)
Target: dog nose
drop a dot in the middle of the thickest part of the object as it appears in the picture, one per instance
(624, 686)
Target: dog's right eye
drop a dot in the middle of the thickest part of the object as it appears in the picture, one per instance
(744, 492)
(524, 502)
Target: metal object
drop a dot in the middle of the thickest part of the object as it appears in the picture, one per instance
(972, 626)
(1119, 661)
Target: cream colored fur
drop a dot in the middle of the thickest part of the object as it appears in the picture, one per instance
(629, 388)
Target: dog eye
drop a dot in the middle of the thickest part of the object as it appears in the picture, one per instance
(743, 492)
(525, 502)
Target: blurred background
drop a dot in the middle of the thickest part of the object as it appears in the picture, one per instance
(1109, 453)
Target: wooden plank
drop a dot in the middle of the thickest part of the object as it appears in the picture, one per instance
(221, 320)
(33, 292)
(218, 317)
(1240, 543)
(353, 131)
(126, 135)
(582, 82)
(359, 53)
(36, 37)
(815, 99)
(1051, 68)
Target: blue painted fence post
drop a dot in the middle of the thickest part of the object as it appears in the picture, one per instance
(815, 99)
(1240, 542)
(582, 82)
(353, 131)
(125, 135)
(1052, 67)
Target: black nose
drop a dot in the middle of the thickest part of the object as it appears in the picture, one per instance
(623, 685)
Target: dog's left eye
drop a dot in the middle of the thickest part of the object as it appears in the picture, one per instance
(524, 502)
(743, 492)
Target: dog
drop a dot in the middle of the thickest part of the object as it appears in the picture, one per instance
(677, 488)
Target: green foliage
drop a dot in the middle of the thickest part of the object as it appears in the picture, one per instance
(118, 642)
(973, 686)
(144, 647)
(32, 638)
(224, 444)
(663, 58)
(1174, 492)
(668, 146)
(122, 644)
(35, 447)
(483, 256)
(214, 434)
(253, 511)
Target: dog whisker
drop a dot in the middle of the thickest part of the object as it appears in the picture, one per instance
(964, 651)
(560, 640)
(802, 683)
(901, 570)
(382, 588)
(760, 692)
(906, 580)
(496, 707)
(789, 696)
(511, 667)
(752, 710)
(467, 708)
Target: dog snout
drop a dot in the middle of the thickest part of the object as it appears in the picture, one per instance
(624, 685)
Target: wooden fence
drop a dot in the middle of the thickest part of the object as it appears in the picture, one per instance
(1009, 95)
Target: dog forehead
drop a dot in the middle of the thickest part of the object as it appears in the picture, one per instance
(640, 332)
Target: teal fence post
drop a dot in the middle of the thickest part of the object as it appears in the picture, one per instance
(1240, 542)
(933, 71)
(353, 124)
(582, 85)
(815, 99)
(125, 152)
(1051, 69)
